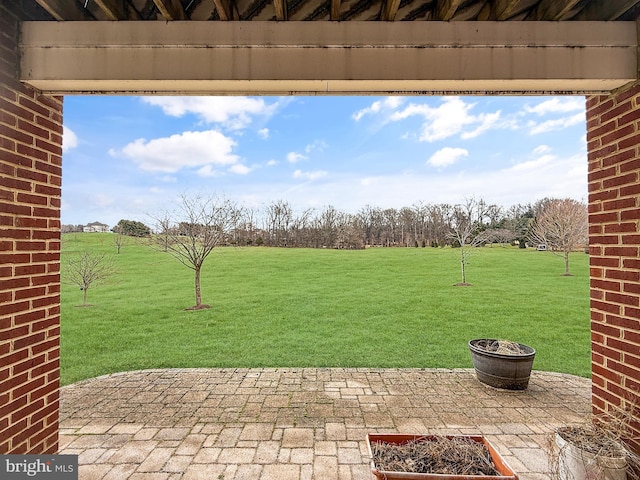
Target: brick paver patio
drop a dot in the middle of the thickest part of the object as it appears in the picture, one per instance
(307, 423)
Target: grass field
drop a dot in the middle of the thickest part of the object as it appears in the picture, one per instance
(380, 307)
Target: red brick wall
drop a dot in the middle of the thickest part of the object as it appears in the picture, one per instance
(613, 126)
(30, 179)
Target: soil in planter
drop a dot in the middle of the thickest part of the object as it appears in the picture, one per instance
(451, 456)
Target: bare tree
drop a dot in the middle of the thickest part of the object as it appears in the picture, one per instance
(192, 232)
(562, 225)
(466, 230)
(119, 238)
(279, 216)
(498, 235)
(439, 219)
(86, 270)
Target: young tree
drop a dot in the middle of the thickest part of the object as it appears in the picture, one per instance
(86, 270)
(466, 230)
(192, 232)
(562, 225)
(119, 237)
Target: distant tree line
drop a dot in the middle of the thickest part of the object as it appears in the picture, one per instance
(421, 225)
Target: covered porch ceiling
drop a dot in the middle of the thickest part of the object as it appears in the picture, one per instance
(340, 10)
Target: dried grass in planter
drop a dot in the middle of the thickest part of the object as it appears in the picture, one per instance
(503, 347)
(439, 455)
(593, 440)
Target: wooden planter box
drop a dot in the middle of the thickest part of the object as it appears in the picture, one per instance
(506, 473)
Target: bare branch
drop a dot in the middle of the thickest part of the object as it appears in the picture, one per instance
(562, 225)
(190, 234)
(86, 270)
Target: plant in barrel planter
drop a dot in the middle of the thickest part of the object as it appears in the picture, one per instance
(433, 457)
(584, 453)
(502, 363)
(595, 451)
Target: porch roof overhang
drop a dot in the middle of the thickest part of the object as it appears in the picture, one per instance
(328, 58)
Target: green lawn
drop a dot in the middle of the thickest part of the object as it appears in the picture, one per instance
(381, 307)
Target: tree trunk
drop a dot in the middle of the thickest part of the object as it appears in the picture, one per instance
(464, 276)
(197, 282)
(84, 296)
(566, 263)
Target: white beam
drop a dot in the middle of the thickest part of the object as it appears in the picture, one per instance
(328, 57)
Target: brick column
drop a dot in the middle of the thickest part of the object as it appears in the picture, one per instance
(613, 126)
(30, 179)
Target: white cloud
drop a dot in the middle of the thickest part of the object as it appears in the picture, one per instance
(317, 146)
(541, 149)
(185, 150)
(239, 169)
(447, 156)
(295, 157)
(557, 124)
(449, 118)
(208, 171)
(69, 139)
(487, 121)
(389, 103)
(309, 175)
(557, 105)
(272, 163)
(453, 116)
(443, 121)
(532, 164)
(263, 133)
(232, 112)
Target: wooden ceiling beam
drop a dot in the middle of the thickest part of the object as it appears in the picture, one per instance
(446, 9)
(335, 10)
(63, 10)
(502, 9)
(606, 9)
(171, 9)
(282, 12)
(389, 10)
(113, 9)
(553, 10)
(223, 7)
(469, 12)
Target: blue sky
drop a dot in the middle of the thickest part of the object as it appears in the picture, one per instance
(131, 157)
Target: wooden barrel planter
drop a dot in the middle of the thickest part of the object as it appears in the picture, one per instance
(501, 363)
